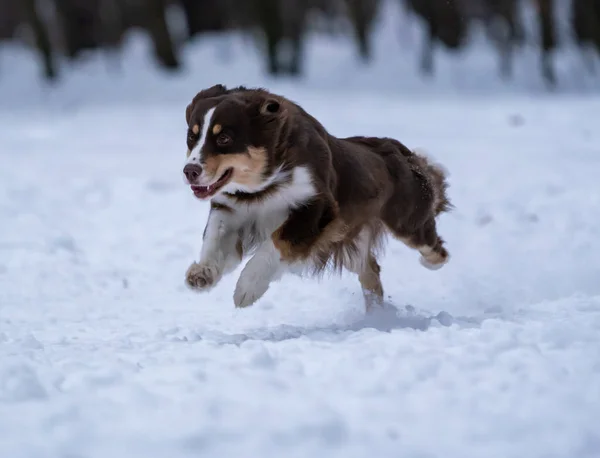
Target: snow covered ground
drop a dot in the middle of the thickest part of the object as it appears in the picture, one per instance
(105, 353)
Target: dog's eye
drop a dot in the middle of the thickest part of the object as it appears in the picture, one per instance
(192, 137)
(223, 140)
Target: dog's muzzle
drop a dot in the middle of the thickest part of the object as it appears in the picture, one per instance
(192, 172)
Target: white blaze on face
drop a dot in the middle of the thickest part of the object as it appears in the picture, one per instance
(195, 156)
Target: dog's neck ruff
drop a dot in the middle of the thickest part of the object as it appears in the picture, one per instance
(282, 189)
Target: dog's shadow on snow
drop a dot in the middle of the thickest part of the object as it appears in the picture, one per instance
(388, 318)
(384, 319)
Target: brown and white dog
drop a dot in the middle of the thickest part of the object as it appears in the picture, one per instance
(298, 199)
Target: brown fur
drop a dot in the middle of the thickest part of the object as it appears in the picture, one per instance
(248, 166)
(366, 186)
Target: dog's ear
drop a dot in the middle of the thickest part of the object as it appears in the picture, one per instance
(188, 113)
(213, 91)
(270, 106)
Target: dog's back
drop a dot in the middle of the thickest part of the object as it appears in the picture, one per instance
(399, 157)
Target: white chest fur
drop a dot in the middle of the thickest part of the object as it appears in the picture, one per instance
(252, 225)
(257, 221)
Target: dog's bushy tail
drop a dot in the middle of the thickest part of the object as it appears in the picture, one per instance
(438, 176)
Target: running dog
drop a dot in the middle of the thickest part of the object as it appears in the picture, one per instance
(293, 198)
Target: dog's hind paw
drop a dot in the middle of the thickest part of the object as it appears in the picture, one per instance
(434, 259)
(433, 262)
(429, 265)
(202, 276)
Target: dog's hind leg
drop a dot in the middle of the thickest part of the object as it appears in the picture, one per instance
(362, 262)
(427, 242)
(411, 211)
(370, 281)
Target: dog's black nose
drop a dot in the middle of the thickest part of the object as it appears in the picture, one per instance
(192, 172)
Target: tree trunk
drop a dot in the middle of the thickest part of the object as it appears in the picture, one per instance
(203, 16)
(548, 38)
(156, 24)
(585, 21)
(362, 14)
(42, 39)
(268, 13)
(79, 25)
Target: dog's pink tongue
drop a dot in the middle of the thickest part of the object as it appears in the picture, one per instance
(200, 191)
(203, 191)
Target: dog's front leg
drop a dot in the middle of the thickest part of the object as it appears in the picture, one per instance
(287, 248)
(263, 268)
(221, 251)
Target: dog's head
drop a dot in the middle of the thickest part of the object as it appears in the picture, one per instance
(231, 140)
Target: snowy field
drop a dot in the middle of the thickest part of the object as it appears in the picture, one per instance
(105, 353)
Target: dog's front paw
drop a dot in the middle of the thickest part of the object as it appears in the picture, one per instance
(202, 276)
(249, 289)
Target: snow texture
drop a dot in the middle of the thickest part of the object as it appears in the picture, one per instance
(105, 353)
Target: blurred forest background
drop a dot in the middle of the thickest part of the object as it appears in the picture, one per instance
(72, 29)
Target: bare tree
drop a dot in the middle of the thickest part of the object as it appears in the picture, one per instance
(80, 24)
(501, 18)
(585, 21)
(42, 39)
(548, 42)
(268, 17)
(444, 24)
(279, 23)
(362, 14)
(448, 23)
(156, 24)
(204, 15)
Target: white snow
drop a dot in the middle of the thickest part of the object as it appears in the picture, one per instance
(105, 353)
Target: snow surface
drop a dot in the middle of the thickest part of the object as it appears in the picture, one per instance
(105, 353)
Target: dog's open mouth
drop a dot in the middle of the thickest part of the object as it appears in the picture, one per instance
(202, 192)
